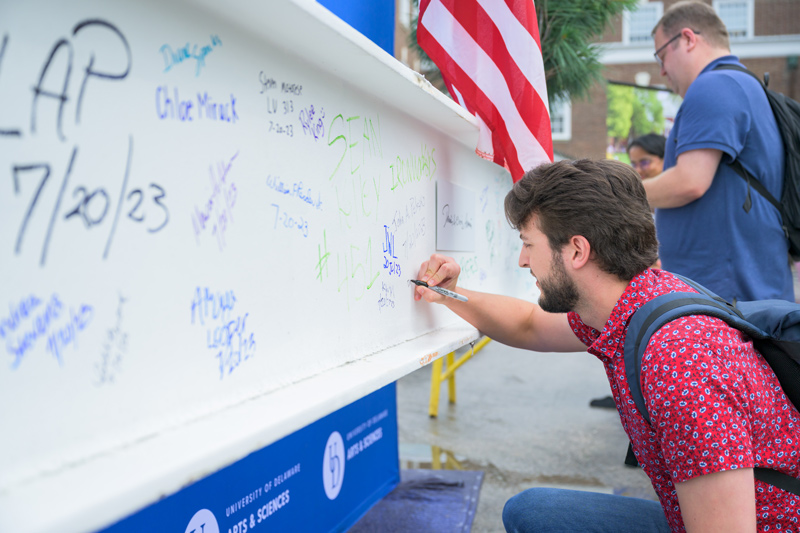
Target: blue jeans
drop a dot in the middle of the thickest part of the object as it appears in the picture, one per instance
(543, 509)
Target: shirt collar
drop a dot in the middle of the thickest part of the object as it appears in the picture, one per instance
(720, 61)
(640, 289)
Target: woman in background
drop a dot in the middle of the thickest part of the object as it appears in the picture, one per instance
(647, 155)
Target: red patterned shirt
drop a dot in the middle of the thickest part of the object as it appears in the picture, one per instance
(714, 403)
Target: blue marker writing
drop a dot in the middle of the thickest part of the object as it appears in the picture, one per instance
(443, 292)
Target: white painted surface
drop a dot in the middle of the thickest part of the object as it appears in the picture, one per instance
(455, 217)
(309, 240)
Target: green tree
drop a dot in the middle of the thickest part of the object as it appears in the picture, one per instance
(620, 110)
(567, 29)
(648, 113)
(633, 112)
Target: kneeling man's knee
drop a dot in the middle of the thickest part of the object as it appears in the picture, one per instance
(527, 511)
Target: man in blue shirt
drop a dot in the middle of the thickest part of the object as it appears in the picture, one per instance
(703, 230)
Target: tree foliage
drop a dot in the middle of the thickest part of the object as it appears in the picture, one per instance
(620, 110)
(567, 29)
(633, 112)
(648, 113)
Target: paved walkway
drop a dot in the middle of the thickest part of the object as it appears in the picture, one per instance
(524, 419)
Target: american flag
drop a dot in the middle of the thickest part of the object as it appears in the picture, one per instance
(490, 56)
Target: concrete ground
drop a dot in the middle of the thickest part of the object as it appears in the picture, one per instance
(524, 419)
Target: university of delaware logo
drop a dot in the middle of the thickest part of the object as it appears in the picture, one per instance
(203, 521)
(333, 465)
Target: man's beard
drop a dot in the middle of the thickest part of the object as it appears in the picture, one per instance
(558, 293)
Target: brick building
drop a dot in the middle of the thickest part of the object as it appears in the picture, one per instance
(765, 35)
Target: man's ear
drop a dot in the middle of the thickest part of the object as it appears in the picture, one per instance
(691, 38)
(580, 251)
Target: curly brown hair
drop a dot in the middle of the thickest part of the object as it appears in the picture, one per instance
(602, 200)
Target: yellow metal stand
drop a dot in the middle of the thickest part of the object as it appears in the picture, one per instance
(437, 376)
(450, 461)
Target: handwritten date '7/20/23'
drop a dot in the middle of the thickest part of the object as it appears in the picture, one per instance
(94, 206)
(142, 205)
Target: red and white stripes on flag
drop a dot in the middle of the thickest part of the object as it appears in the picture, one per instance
(490, 56)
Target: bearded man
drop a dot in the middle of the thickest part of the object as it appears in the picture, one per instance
(716, 407)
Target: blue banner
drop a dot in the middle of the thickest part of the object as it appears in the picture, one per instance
(323, 477)
(374, 19)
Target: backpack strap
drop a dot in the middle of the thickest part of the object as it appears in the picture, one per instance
(736, 165)
(731, 66)
(708, 292)
(654, 314)
(778, 479)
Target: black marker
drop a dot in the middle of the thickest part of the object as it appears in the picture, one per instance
(443, 292)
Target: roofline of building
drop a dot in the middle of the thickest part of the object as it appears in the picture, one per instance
(772, 46)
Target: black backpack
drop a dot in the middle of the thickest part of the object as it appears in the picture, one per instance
(787, 115)
(773, 325)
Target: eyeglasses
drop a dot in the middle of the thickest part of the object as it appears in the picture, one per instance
(658, 57)
(643, 163)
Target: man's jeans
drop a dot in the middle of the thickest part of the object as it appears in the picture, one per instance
(543, 509)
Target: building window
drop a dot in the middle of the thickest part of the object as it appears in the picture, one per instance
(561, 120)
(404, 12)
(737, 16)
(638, 25)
